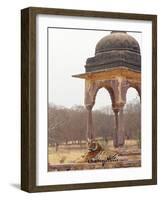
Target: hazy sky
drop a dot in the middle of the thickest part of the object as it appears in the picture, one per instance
(68, 51)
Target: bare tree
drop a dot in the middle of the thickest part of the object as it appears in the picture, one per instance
(69, 124)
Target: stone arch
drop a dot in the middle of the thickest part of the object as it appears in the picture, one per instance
(94, 86)
(91, 89)
(134, 88)
(126, 85)
(137, 88)
(109, 90)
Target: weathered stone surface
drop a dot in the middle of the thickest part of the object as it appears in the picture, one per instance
(116, 49)
(115, 67)
(102, 160)
(117, 40)
(117, 88)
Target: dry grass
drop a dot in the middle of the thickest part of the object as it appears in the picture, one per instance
(72, 153)
(64, 155)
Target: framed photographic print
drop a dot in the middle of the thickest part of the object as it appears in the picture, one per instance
(88, 99)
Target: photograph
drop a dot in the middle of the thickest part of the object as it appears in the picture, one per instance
(89, 100)
(94, 99)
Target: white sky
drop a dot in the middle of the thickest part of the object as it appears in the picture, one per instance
(68, 51)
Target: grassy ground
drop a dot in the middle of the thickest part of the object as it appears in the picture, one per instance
(72, 153)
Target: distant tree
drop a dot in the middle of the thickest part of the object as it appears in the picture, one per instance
(132, 120)
(69, 124)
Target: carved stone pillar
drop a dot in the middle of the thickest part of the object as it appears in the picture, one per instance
(90, 130)
(119, 135)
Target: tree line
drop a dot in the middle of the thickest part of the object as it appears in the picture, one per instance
(69, 124)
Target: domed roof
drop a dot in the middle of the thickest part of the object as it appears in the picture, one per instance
(117, 49)
(117, 40)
